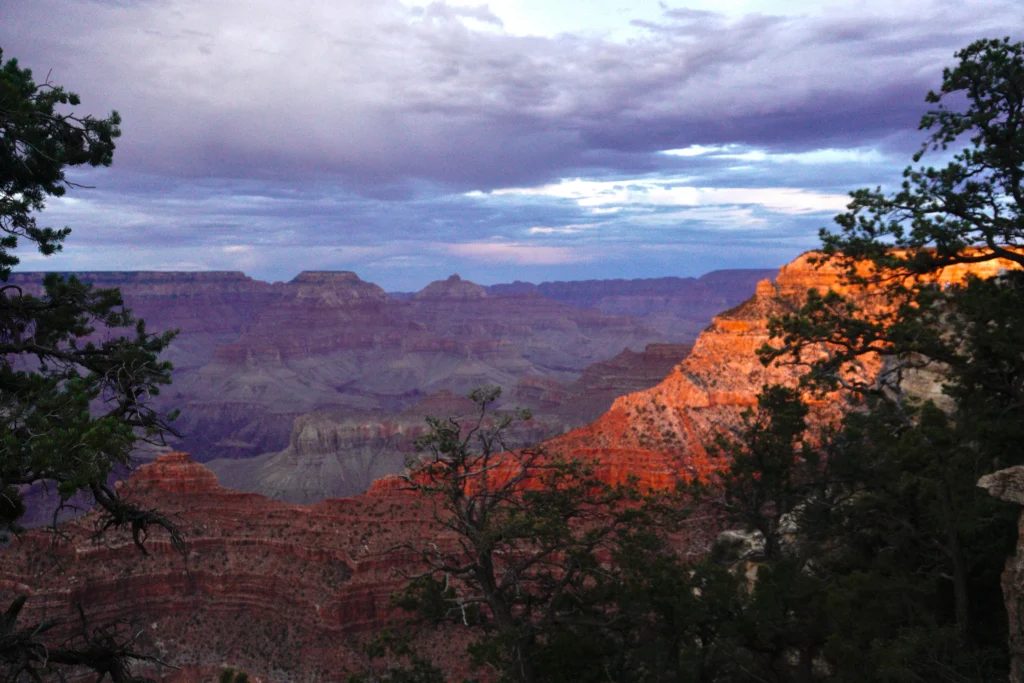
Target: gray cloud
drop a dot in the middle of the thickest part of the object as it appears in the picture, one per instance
(277, 136)
(375, 92)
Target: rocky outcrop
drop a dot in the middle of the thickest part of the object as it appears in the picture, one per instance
(337, 454)
(452, 288)
(283, 591)
(329, 455)
(661, 433)
(340, 453)
(1008, 485)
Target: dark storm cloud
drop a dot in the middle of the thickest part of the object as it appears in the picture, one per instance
(377, 93)
(274, 137)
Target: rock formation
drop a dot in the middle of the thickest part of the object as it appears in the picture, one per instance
(660, 433)
(678, 307)
(283, 591)
(331, 455)
(363, 353)
(252, 358)
(1008, 485)
(339, 453)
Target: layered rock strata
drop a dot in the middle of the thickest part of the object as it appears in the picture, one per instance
(283, 591)
(1008, 485)
(253, 356)
(339, 453)
(661, 433)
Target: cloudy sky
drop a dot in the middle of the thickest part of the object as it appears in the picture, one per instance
(511, 139)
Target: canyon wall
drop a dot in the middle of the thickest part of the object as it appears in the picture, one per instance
(283, 591)
(339, 453)
(678, 307)
(286, 591)
(252, 356)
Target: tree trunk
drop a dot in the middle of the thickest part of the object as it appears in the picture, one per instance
(522, 664)
(961, 597)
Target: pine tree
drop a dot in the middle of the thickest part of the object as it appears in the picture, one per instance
(74, 392)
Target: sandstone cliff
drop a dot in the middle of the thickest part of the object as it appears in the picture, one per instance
(283, 591)
(660, 433)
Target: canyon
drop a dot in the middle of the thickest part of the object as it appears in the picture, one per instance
(340, 453)
(288, 591)
(258, 364)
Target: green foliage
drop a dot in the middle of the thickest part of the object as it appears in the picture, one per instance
(528, 528)
(74, 398)
(765, 476)
(402, 663)
(976, 199)
(908, 550)
(77, 370)
(230, 675)
(38, 142)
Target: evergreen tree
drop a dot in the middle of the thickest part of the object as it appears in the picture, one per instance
(522, 562)
(912, 548)
(74, 393)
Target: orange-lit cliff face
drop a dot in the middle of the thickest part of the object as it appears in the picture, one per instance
(660, 433)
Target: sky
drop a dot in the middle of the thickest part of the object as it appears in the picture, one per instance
(506, 140)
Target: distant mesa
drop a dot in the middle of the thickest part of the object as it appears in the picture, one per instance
(452, 288)
(334, 286)
(326, 277)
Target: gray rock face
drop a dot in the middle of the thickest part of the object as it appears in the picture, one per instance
(329, 456)
(1008, 485)
(1005, 484)
(334, 454)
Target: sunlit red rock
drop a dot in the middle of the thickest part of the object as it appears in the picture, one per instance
(284, 591)
(661, 433)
